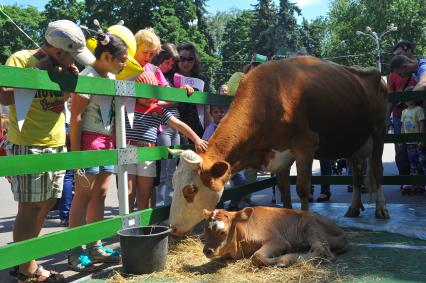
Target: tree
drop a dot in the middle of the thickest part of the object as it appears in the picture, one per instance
(216, 26)
(201, 13)
(237, 44)
(312, 35)
(263, 30)
(12, 39)
(286, 32)
(346, 17)
(72, 10)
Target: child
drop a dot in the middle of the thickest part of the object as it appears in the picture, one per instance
(148, 117)
(90, 131)
(412, 120)
(148, 47)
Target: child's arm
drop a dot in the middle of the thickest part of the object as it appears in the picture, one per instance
(200, 145)
(78, 107)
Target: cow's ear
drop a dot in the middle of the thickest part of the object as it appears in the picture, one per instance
(219, 169)
(216, 176)
(207, 213)
(245, 214)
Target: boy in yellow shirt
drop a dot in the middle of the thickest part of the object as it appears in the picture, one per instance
(42, 132)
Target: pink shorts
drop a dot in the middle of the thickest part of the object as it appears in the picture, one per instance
(96, 141)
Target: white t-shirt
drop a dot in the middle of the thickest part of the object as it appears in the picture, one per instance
(93, 119)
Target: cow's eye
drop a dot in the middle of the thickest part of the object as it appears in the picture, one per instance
(222, 233)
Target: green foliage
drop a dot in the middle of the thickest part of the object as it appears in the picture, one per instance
(237, 44)
(72, 10)
(286, 32)
(347, 16)
(11, 39)
(263, 30)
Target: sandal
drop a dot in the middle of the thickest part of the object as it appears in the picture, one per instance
(99, 253)
(38, 277)
(80, 262)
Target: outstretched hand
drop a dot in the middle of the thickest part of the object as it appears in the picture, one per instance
(201, 145)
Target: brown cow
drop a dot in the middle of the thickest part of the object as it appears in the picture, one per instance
(273, 236)
(284, 111)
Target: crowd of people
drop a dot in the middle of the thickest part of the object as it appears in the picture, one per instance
(82, 192)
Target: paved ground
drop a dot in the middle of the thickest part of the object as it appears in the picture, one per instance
(8, 208)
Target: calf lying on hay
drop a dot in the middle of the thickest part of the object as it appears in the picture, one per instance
(272, 236)
(260, 235)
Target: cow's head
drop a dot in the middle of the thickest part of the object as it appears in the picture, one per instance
(220, 231)
(196, 187)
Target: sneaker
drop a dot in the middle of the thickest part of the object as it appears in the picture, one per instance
(64, 223)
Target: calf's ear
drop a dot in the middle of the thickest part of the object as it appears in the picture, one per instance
(216, 176)
(207, 213)
(245, 214)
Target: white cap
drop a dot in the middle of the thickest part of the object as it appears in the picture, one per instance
(66, 35)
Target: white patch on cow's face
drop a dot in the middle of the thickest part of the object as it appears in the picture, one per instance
(282, 160)
(186, 215)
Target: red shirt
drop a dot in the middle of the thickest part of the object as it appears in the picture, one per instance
(396, 83)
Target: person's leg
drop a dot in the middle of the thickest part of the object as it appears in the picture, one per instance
(66, 199)
(28, 224)
(237, 179)
(77, 259)
(325, 166)
(132, 188)
(96, 209)
(80, 203)
(171, 167)
(95, 212)
(163, 140)
(144, 191)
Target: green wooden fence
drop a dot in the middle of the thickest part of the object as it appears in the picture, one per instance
(20, 252)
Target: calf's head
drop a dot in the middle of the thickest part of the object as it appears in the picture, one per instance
(220, 231)
(196, 187)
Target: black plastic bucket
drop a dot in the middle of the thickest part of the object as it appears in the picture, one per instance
(144, 249)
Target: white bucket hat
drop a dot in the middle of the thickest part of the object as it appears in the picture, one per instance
(66, 35)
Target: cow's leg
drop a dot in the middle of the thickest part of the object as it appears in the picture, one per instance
(269, 253)
(304, 151)
(375, 174)
(283, 181)
(356, 205)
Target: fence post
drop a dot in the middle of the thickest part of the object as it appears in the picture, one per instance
(120, 131)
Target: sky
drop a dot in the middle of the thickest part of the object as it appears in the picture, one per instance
(310, 8)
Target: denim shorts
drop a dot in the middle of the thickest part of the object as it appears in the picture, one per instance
(98, 169)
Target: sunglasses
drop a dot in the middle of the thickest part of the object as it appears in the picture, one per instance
(183, 59)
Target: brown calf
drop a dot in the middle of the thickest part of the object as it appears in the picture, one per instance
(272, 236)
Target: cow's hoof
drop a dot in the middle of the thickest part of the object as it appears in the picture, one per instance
(353, 212)
(382, 213)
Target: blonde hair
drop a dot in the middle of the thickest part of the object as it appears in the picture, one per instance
(148, 40)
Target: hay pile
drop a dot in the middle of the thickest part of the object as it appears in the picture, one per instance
(187, 263)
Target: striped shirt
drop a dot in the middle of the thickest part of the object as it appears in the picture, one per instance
(154, 76)
(146, 122)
